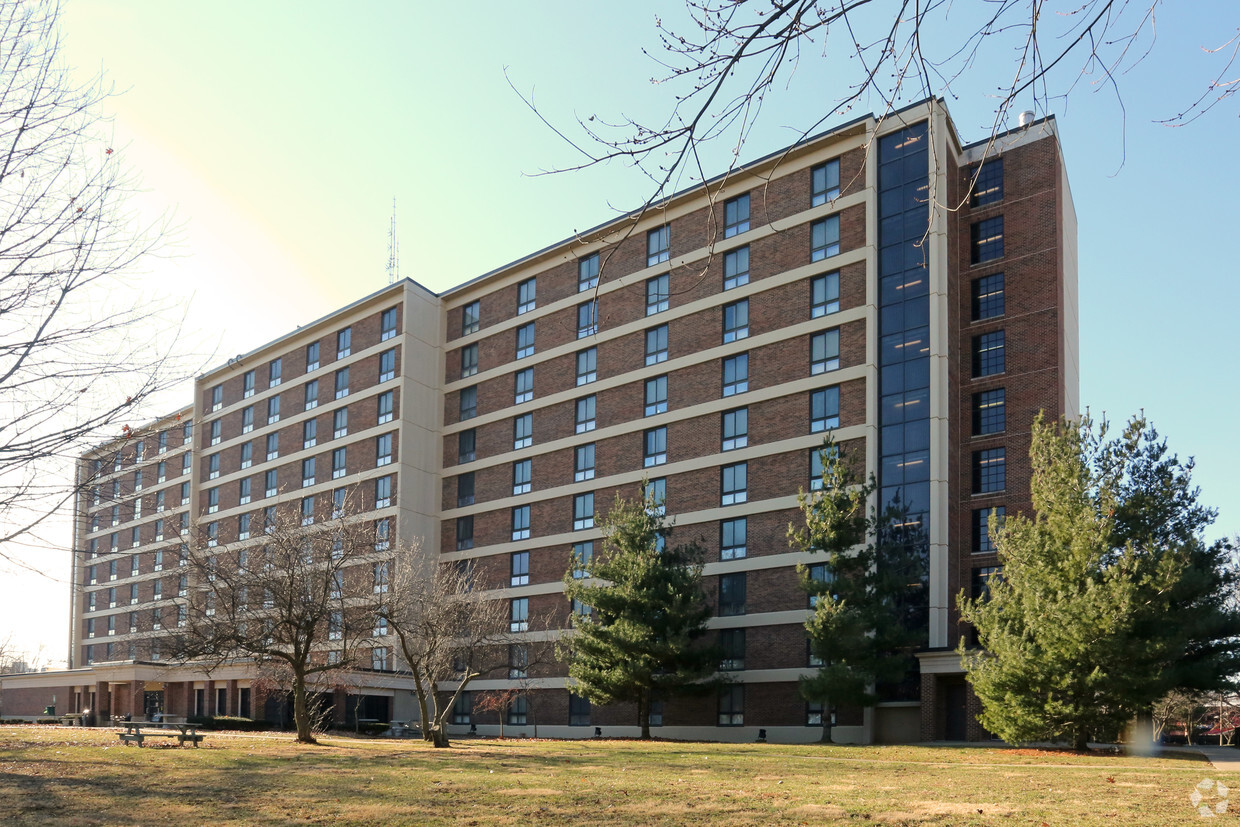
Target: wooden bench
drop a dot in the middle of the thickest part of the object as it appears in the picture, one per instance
(139, 731)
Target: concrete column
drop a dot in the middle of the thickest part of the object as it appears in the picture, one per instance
(208, 703)
(233, 699)
(930, 704)
(137, 699)
(340, 708)
(103, 703)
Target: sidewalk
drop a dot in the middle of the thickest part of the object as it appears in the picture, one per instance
(1224, 759)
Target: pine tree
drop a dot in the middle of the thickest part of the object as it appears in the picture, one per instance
(864, 593)
(1109, 597)
(639, 615)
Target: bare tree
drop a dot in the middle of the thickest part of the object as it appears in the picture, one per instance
(302, 597)
(731, 56)
(448, 633)
(78, 356)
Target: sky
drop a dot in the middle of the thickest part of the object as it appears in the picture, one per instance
(277, 134)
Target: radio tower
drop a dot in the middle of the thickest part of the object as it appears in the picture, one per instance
(393, 265)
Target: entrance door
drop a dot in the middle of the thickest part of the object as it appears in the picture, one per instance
(957, 695)
(152, 704)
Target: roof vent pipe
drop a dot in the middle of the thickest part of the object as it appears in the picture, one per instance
(1026, 118)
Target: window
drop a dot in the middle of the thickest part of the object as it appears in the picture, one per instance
(989, 470)
(988, 183)
(217, 398)
(587, 272)
(518, 662)
(583, 553)
(982, 579)
(344, 342)
(815, 469)
(731, 594)
(307, 472)
(312, 394)
(732, 705)
(464, 532)
(383, 492)
(519, 566)
(471, 315)
(335, 626)
(187, 432)
(383, 450)
(243, 527)
(469, 403)
(988, 354)
(387, 365)
(135, 535)
(735, 321)
(159, 565)
(657, 245)
(215, 433)
(735, 484)
(824, 182)
(273, 446)
(585, 414)
(342, 383)
(524, 382)
(986, 240)
(657, 293)
(989, 412)
(467, 445)
(583, 511)
(824, 409)
(825, 239)
(340, 423)
(736, 267)
(213, 466)
(247, 419)
(339, 458)
(656, 345)
(521, 475)
(519, 614)
(521, 522)
(469, 360)
(987, 297)
(825, 351)
(462, 708)
(387, 324)
(656, 395)
(387, 406)
(736, 374)
(525, 341)
(583, 463)
(578, 710)
(732, 642)
(309, 433)
(736, 216)
(187, 459)
(307, 510)
(732, 534)
(213, 500)
(312, 356)
(339, 498)
(983, 542)
(274, 371)
(379, 658)
(133, 569)
(244, 491)
(523, 431)
(465, 489)
(587, 319)
(735, 429)
(526, 291)
(163, 439)
(655, 450)
(587, 366)
(383, 541)
(824, 294)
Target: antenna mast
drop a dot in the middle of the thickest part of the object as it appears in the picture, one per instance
(393, 264)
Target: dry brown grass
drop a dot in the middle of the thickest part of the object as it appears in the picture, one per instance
(53, 775)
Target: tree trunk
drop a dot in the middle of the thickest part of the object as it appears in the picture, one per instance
(301, 711)
(826, 727)
(439, 736)
(423, 710)
(1080, 740)
(643, 714)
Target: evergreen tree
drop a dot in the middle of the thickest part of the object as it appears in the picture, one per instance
(639, 614)
(1109, 596)
(865, 593)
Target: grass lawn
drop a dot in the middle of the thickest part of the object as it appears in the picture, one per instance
(62, 776)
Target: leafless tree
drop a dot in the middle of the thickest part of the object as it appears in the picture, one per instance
(80, 354)
(730, 56)
(302, 597)
(448, 632)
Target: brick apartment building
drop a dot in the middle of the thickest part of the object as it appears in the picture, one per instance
(857, 283)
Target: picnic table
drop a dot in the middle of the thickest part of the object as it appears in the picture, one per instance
(137, 731)
(401, 729)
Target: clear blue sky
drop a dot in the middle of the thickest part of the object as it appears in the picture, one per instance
(278, 133)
